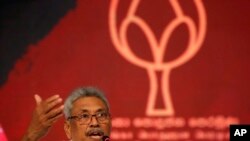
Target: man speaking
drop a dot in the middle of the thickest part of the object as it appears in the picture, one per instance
(87, 116)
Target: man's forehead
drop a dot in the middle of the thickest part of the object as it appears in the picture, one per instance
(90, 111)
(87, 104)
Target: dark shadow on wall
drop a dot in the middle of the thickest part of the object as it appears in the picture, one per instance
(24, 23)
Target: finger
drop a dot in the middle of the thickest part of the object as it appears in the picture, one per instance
(52, 98)
(53, 113)
(47, 123)
(51, 117)
(54, 119)
(51, 105)
(38, 99)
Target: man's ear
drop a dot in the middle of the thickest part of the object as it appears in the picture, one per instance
(67, 129)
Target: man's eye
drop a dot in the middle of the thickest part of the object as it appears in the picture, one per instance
(85, 116)
(101, 114)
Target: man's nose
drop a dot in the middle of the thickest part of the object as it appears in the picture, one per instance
(94, 121)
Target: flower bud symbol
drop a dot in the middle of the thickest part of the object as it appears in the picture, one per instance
(158, 48)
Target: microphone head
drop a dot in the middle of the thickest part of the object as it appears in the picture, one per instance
(105, 138)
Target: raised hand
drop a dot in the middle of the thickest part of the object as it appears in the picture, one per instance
(44, 116)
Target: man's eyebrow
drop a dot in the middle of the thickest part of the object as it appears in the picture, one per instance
(98, 110)
(84, 111)
(101, 110)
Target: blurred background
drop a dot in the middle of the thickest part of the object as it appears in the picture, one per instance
(52, 47)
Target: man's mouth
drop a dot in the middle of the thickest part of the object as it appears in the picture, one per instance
(95, 133)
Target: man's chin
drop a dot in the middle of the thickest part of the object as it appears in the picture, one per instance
(95, 137)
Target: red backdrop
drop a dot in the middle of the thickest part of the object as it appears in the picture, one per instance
(208, 92)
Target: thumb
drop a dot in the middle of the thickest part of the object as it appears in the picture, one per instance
(38, 99)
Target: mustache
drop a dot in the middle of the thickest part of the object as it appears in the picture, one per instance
(95, 131)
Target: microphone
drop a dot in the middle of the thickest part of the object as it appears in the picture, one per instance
(105, 138)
